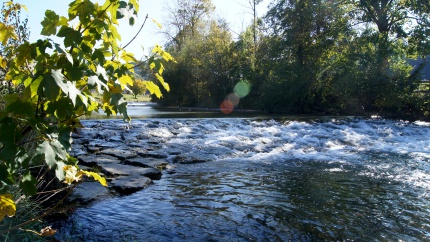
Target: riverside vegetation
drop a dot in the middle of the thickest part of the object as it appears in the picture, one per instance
(46, 86)
(303, 57)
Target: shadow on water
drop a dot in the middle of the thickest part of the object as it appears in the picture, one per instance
(152, 110)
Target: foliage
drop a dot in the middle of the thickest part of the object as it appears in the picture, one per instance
(138, 87)
(11, 17)
(305, 56)
(59, 81)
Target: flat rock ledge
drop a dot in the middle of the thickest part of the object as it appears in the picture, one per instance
(87, 192)
(129, 160)
(130, 184)
(126, 174)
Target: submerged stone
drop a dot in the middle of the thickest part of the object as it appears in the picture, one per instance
(126, 170)
(147, 162)
(192, 159)
(153, 154)
(120, 154)
(97, 160)
(87, 192)
(126, 185)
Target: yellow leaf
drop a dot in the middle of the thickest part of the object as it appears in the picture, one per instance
(124, 80)
(24, 7)
(153, 89)
(3, 62)
(96, 177)
(128, 56)
(161, 80)
(157, 23)
(7, 206)
(72, 174)
(6, 32)
(135, 5)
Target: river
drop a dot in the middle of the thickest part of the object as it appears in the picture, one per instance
(283, 179)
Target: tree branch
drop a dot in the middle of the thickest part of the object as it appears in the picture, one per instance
(141, 27)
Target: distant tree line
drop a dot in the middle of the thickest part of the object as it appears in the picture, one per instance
(303, 56)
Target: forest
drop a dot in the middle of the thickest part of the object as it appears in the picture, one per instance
(346, 57)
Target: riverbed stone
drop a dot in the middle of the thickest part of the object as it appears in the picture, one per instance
(147, 162)
(191, 159)
(153, 154)
(126, 170)
(87, 192)
(103, 144)
(126, 185)
(97, 160)
(119, 153)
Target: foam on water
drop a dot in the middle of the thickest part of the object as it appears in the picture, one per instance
(397, 150)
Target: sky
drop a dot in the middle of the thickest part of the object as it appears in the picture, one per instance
(234, 11)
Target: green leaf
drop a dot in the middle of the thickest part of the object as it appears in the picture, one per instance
(35, 85)
(49, 23)
(59, 171)
(59, 80)
(71, 36)
(22, 158)
(73, 93)
(18, 107)
(43, 44)
(62, 51)
(5, 176)
(95, 81)
(50, 87)
(65, 138)
(98, 55)
(59, 149)
(8, 137)
(83, 9)
(28, 184)
(45, 149)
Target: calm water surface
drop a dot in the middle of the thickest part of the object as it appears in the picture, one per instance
(269, 180)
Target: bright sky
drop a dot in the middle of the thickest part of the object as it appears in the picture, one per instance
(234, 11)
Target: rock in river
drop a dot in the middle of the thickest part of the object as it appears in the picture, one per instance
(87, 192)
(126, 185)
(147, 162)
(125, 170)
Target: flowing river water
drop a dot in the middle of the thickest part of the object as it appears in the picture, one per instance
(270, 180)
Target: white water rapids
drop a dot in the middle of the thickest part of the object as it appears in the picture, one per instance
(377, 169)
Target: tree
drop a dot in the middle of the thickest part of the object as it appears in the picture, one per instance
(12, 18)
(138, 87)
(186, 17)
(396, 29)
(304, 32)
(58, 81)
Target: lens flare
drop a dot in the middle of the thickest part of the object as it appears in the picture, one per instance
(233, 98)
(242, 88)
(227, 107)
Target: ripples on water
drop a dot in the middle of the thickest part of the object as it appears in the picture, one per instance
(269, 180)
